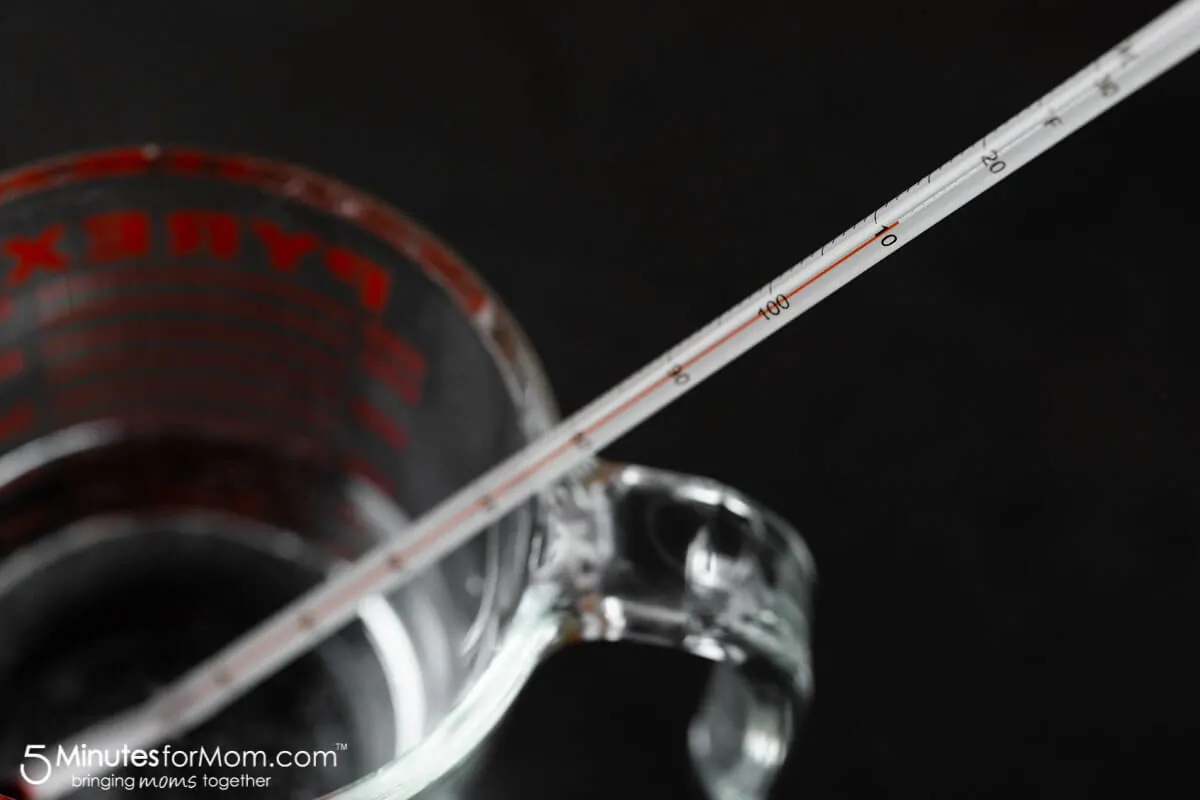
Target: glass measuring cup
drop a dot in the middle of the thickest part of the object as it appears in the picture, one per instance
(224, 377)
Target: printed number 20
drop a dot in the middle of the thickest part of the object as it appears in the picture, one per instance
(991, 160)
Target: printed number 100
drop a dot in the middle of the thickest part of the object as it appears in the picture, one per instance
(775, 307)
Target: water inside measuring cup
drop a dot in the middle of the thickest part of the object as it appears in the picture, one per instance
(132, 562)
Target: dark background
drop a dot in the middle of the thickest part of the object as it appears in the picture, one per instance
(996, 475)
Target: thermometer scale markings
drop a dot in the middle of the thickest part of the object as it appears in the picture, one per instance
(209, 687)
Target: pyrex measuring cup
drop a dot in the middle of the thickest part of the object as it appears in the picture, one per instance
(224, 377)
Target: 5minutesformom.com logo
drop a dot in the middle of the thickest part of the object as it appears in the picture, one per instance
(80, 764)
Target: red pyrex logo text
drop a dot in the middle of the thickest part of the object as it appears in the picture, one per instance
(114, 236)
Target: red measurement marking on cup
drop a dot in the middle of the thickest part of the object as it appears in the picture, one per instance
(187, 335)
(405, 386)
(386, 358)
(392, 361)
(166, 358)
(289, 440)
(375, 421)
(386, 355)
(212, 277)
(120, 392)
(393, 349)
(218, 306)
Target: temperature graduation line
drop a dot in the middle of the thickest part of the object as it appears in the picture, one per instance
(214, 684)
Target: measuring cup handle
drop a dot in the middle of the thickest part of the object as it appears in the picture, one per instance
(687, 562)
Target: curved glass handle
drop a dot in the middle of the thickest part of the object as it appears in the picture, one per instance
(687, 562)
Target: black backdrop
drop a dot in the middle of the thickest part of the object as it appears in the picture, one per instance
(997, 475)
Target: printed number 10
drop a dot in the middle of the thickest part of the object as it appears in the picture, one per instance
(775, 307)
